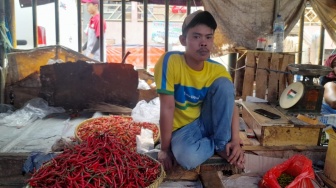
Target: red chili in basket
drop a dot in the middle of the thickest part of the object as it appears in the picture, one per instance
(110, 164)
(123, 127)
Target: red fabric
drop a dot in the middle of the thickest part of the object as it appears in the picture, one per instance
(95, 24)
(327, 63)
(41, 35)
(179, 9)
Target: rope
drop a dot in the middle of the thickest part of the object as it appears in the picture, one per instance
(333, 51)
(7, 44)
(270, 70)
(266, 69)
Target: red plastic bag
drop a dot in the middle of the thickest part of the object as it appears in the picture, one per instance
(298, 166)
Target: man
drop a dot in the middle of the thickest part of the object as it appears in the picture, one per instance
(329, 83)
(198, 115)
(331, 77)
(92, 47)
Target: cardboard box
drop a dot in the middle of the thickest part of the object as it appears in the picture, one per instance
(330, 164)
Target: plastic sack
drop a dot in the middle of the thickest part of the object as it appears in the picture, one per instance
(63, 142)
(35, 160)
(298, 166)
(143, 85)
(147, 112)
(145, 141)
(32, 110)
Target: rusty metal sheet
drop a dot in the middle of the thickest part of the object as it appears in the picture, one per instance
(77, 85)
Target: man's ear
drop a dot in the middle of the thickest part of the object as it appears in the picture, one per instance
(182, 40)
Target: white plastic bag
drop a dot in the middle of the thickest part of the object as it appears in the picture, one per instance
(145, 141)
(32, 110)
(147, 112)
(63, 142)
(143, 85)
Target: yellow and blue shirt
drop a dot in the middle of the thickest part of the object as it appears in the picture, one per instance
(174, 77)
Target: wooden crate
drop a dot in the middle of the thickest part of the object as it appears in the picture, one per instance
(330, 165)
(267, 71)
(279, 132)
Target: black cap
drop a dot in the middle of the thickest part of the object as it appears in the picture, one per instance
(199, 17)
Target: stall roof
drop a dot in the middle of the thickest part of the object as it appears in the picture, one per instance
(173, 2)
(28, 3)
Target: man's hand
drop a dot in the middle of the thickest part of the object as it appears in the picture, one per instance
(167, 159)
(235, 153)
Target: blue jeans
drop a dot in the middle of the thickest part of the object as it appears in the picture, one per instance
(196, 142)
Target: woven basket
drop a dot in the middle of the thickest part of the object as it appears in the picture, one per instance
(155, 184)
(160, 179)
(156, 140)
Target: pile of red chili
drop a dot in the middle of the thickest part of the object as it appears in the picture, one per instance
(99, 161)
(123, 127)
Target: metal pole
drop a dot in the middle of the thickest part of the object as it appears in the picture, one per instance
(232, 64)
(301, 38)
(2, 53)
(188, 7)
(276, 8)
(79, 22)
(34, 5)
(57, 22)
(145, 32)
(166, 24)
(321, 49)
(13, 23)
(123, 29)
(101, 38)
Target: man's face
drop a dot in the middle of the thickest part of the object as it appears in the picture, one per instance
(91, 8)
(198, 42)
(333, 65)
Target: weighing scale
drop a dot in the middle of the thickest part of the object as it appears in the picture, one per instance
(304, 96)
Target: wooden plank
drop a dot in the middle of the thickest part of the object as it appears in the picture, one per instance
(11, 163)
(217, 163)
(249, 120)
(249, 75)
(290, 77)
(285, 136)
(210, 179)
(239, 76)
(261, 120)
(326, 180)
(213, 164)
(273, 83)
(262, 75)
(178, 174)
(312, 154)
(330, 165)
(282, 76)
(285, 148)
(246, 141)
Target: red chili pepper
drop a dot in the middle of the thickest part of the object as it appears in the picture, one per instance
(111, 164)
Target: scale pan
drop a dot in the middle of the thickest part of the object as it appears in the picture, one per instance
(309, 70)
(291, 95)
